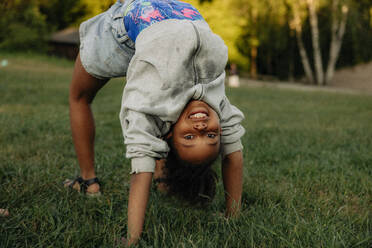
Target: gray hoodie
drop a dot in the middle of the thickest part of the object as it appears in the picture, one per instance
(174, 61)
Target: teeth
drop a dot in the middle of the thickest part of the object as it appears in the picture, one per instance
(198, 115)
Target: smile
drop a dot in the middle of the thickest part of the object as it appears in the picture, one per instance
(198, 116)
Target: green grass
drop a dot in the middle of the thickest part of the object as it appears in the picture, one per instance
(307, 181)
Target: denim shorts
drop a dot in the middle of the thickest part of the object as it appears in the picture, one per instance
(105, 48)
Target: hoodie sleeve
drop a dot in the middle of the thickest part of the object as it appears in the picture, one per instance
(143, 139)
(232, 130)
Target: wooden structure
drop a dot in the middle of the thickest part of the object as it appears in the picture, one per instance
(65, 43)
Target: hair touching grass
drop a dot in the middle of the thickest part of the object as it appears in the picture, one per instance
(195, 183)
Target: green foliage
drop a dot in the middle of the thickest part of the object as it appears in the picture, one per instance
(22, 26)
(268, 24)
(242, 24)
(307, 170)
(61, 14)
(267, 28)
(95, 7)
(223, 20)
(26, 25)
(358, 38)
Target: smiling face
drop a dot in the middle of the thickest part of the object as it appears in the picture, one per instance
(196, 134)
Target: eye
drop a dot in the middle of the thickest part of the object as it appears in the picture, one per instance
(211, 135)
(188, 137)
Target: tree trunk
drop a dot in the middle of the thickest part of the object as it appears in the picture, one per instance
(297, 26)
(269, 63)
(253, 71)
(315, 40)
(304, 59)
(338, 30)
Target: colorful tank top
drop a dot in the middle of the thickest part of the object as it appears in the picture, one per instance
(141, 14)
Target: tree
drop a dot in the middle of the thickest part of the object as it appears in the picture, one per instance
(22, 25)
(266, 37)
(337, 33)
(26, 24)
(319, 74)
(296, 24)
(339, 12)
(62, 14)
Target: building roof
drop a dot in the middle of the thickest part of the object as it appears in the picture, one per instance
(67, 36)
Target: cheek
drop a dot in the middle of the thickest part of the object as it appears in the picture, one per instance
(216, 124)
(182, 127)
(176, 140)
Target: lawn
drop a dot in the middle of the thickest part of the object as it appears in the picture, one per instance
(307, 174)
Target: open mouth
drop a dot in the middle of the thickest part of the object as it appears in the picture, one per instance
(198, 116)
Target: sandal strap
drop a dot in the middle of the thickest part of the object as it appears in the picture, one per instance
(78, 180)
(86, 183)
(91, 181)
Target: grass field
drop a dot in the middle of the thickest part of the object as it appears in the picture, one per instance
(307, 181)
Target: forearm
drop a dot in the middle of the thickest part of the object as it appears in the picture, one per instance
(138, 197)
(232, 174)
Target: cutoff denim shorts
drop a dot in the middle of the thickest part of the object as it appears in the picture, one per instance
(105, 48)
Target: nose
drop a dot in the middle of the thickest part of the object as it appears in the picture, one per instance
(200, 126)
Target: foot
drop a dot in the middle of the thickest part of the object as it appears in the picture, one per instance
(90, 187)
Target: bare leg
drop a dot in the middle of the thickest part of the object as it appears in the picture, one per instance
(83, 89)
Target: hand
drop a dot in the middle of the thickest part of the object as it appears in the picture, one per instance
(122, 242)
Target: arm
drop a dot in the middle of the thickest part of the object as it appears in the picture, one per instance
(83, 89)
(232, 156)
(232, 174)
(138, 197)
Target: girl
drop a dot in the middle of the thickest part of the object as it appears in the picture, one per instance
(175, 116)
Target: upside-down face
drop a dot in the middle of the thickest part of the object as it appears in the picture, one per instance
(196, 134)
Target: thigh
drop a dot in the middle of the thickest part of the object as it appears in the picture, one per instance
(83, 85)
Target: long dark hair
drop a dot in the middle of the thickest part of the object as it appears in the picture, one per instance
(195, 183)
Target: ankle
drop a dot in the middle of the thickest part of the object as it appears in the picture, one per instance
(87, 176)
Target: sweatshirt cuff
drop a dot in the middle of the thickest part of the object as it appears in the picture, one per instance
(143, 164)
(231, 147)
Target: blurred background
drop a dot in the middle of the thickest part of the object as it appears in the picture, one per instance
(305, 41)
